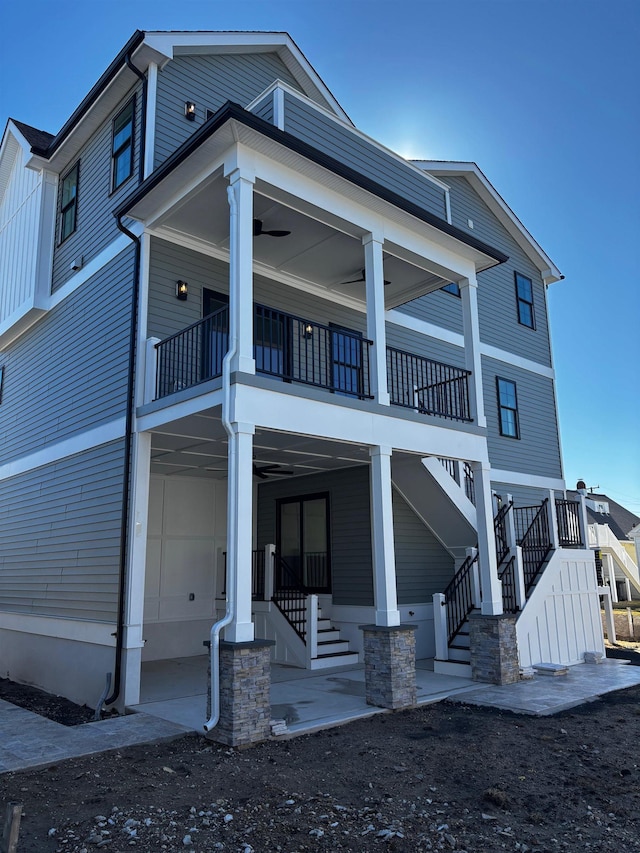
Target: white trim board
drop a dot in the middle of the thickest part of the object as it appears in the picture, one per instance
(63, 449)
(517, 478)
(82, 631)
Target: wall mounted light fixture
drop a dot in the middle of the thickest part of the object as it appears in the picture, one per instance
(307, 332)
(182, 290)
(190, 110)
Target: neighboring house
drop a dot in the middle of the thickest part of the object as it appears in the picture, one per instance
(388, 388)
(614, 534)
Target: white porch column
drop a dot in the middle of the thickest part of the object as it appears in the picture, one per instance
(374, 277)
(241, 268)
(239, 526)
(489, 580)
(471, 329)
(134, 610)
(384, 561)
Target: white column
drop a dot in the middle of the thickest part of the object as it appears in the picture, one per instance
(490, 582)
(476, 595)
(384, 561)
(239, 525)
(553, 520)
(627, 590)
(134, 608)
(374, 277)
(440, 626)
(611, 571)
(241, 269)
(471, 329)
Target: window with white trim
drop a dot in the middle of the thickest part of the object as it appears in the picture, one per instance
(507, 408)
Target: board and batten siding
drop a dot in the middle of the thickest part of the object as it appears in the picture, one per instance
(68, 373)
(209, 81)
(167, 316)
(537, 451)
(423, 566)
(20, 212)
(497, 305)
(336, 140)
(95, 223)
(60, 529)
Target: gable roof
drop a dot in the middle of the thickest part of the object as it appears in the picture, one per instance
(619, 518)
(498, 206)
(161, 46)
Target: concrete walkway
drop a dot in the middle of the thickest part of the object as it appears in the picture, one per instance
(305, 702)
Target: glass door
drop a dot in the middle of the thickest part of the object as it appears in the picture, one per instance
(303, 540)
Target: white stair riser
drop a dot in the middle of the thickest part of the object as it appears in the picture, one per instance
(328, 662)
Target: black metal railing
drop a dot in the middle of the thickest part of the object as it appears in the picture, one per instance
(451, 467)
(532, 534)
(458, 597)
(507, 575)
(469, 483)
(257, 574)
(430, 387)
(192, 355)
(568, 516)
(500, 530)
(290, 596)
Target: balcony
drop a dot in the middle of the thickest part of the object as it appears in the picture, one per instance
(294, 349)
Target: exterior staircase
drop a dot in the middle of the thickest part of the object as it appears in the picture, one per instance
(331, 650)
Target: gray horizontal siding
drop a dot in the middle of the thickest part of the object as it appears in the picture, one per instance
(336, 140)
(167, 316)
(96, 225)
(349, 530)
(538, 449)
(522, 495)
(60, 529)
(497, 308)
(264, 109)
(209, 81)
(68, 373)
(423, 566)
(440, 308)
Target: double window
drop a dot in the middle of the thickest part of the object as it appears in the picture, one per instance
(507, 408)
(122, 146)
(69, 202)
(524, 299)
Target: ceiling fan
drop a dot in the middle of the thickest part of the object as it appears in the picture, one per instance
(263, 472)
(258, 231)
(362, 279)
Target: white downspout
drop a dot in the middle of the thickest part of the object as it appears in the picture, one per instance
(216, 628)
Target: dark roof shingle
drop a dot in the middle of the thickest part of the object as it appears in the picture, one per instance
(39, 140)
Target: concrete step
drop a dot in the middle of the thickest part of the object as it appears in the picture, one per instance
(450, 667)
(328, 661)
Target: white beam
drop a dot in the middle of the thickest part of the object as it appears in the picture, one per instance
(491, 586)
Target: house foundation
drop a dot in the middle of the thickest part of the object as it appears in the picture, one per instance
(494, 649)
(390, 665)
(245, 686)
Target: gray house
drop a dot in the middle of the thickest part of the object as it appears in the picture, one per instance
(259, 372)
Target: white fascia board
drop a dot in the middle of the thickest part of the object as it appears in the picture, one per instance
(181, 44)
(501, 209)
(517, 478)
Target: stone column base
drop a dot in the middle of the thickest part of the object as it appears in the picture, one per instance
(390, 665)
(494, 648)
(245, 686)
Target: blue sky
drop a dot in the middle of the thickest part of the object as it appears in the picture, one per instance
(542, 94)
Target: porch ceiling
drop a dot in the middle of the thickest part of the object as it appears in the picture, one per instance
(196, 446)
(325, 254)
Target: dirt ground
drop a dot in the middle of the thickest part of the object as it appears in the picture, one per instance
(443, 777)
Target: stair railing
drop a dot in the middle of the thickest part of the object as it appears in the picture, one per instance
(533, 536)
(290, 596)
(461, 595)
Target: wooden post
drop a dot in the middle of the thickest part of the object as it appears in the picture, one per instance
(11, 828)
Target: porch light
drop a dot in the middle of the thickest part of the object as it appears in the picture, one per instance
(182, 290)
(308, 331)
(190, 110)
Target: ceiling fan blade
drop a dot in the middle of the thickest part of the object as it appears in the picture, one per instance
(258, 231)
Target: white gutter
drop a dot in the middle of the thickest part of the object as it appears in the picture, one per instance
(216, 628)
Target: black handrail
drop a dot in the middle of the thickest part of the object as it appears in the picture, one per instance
(532, 534)
(428, 386)
(290, 596)
(458, 597)
(507, 575)
(257, 574)
(568, 516)
(500, 530)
